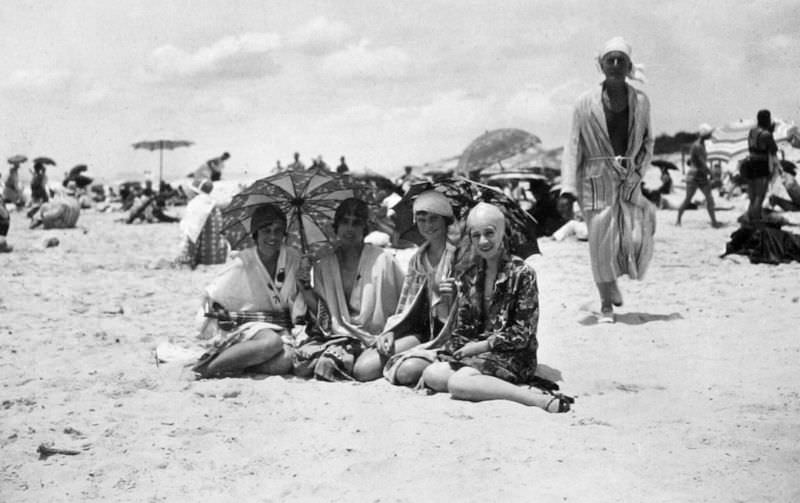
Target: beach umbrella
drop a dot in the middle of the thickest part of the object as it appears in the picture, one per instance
(463, 195)
(662, 164)
(370, 178)
(161, 145)
(17, 159)
(309, 199)
(495, 146)
(44, 160)
(76, 175)
(729, 142)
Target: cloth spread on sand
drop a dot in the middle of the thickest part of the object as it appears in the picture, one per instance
(509, 325)
(764, 244)
(621, 221)
(343, 327)
(247, 292)
(211, 247)
(197, 212)
(60, 213)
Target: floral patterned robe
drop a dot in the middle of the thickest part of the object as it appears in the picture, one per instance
(510, 324)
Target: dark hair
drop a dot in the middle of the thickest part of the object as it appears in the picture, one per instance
(266, 214)
(764, 119)
(352, 207)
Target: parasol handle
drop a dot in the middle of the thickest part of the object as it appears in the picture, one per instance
(303, 243)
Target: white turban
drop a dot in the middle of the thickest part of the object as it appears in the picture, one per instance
(434, 202)
(483, 215)
(619, 44)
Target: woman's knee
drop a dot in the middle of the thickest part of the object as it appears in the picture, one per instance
(368, 366)
(410, 371)
(461, 384)
(436, 376)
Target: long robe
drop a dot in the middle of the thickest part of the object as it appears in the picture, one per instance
(621, 221)
(341, 328)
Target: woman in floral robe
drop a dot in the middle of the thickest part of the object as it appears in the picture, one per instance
(493, 345)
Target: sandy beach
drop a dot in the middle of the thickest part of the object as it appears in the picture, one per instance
(694, 395)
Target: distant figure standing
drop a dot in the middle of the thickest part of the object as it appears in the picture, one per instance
(39, 193)
(297, 165)
(699, 175)
(5, 223)
(278, 166)
(342, 168)
(12, 191)
(611, 142)
(760, 164)
(212, 168)
(407, 179)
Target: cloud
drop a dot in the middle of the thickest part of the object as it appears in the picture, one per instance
(240, 57)
(319, 36)
(37, 80)
(360, 62)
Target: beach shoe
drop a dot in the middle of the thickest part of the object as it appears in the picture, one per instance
(559, 403)
(606, 314)
(6, 248)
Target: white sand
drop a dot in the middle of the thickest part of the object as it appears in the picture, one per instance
(692, 396)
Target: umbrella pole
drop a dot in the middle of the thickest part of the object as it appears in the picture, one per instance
(160, 165)
(303, 243)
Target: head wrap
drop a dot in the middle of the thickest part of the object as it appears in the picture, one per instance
(265, 215)
(434, 202)
(619, 44)
(705, 129)
(483, 215)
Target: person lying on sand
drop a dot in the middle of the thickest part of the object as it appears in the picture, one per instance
(425, 312)
(492, 348)
(356, 288)
(249, 309)
(61, 212)
(201, 240)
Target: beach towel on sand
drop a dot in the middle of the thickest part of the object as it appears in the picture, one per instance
(764, 244)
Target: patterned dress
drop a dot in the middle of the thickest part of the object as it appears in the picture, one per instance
(509, 324)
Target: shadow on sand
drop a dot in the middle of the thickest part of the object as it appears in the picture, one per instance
(633, 318)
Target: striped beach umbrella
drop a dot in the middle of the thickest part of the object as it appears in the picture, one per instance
(729, 142)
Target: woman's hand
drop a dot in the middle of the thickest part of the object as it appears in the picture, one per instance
(447, 289)
(384, 344)
(471, 349)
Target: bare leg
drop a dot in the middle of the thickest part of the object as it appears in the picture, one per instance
(266, 345)
(756, 191)
(691, 188)
(278, 365)
(706, 189)
(410, 371)
(437, 375)
(369, 365)
(469, 384)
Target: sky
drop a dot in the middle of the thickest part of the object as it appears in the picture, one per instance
(384, 83)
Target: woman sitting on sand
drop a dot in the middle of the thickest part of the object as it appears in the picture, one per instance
(201, 225)
(355, 290)
(493, 346)
(61, 212)
(250, 307)
(425, 311)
